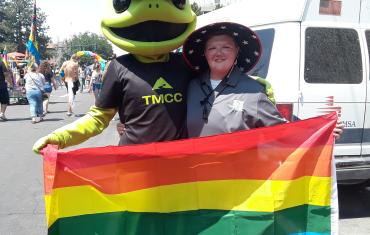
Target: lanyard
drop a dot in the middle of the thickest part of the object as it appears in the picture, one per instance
(211, 91)
(208, 94)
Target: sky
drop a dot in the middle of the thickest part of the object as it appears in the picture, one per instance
(68, 17)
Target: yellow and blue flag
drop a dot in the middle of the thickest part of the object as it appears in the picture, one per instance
(32, 44)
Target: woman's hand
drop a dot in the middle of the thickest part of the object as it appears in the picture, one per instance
(338, 130)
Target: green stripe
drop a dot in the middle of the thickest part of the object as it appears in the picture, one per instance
(206, 222)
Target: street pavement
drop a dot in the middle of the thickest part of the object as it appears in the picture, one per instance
(21, 175)
(22, 209)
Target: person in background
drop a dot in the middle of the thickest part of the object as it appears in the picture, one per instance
(35, 82)
(5, 80)
(81, 77)
(58, 78)
(46, 70)
(96, 80)
(70, 69)
(88, 73)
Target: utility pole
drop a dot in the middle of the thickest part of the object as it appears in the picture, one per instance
(19, 48)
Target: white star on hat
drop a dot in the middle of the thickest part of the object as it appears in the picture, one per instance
(204, 31)
(198, 40)
(256, 53)
(223, 27)
(247, 60)
(245, 42)
(191, 52)
(235, 34)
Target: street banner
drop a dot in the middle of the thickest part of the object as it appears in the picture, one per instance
(274, 180)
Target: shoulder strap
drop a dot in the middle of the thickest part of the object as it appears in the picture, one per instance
(35, 82)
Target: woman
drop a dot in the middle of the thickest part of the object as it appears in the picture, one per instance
(96, 80)
(223, 99)
(35, 82)
(45, 69)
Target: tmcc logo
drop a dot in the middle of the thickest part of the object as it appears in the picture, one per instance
(161, 84)
(168, 98)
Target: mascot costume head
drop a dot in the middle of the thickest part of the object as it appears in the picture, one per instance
(148, 27)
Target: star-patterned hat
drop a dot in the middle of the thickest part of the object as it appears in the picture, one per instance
(250, 48)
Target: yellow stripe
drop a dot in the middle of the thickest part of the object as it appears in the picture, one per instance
(241, 195)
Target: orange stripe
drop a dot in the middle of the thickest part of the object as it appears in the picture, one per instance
(261, 164)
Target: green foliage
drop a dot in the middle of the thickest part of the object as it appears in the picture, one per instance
(87, 42)
(4, 17)
(196, 8)
(15, 27)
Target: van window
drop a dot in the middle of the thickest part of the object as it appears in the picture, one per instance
(332, 55)
(267, 40)
(367, 33)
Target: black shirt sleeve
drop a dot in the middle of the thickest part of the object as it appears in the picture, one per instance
(111, 93)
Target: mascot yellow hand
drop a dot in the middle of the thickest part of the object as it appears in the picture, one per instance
(93, 123)
(268, 88)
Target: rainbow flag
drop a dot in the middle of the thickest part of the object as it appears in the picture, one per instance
(272, 181)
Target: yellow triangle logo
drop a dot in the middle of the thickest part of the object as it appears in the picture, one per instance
(161, 84)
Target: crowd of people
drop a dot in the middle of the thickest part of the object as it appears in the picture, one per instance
(38, 81)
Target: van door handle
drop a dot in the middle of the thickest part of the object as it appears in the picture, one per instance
(300, 97)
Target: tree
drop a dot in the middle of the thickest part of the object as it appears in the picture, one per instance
(5, 30)
(196, 8)
(4, 16)
(87, 42)
(17, 25)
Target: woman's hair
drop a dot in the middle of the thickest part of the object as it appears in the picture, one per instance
(44, 67)
(34, 67)
(74, 57)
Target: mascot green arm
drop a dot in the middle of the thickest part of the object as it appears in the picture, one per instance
(268, 88)
(93, 123)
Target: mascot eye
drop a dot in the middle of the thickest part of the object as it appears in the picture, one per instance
(179, 3)
(121, 5)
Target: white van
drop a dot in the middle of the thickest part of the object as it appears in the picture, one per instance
(316, 56)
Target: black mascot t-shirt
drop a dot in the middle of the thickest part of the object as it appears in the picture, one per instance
(151, 98)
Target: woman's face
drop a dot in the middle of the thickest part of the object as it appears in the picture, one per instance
(221, 52)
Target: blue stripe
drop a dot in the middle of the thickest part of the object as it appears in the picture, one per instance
(33, 50)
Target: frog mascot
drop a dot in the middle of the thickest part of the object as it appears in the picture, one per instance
(147, 87)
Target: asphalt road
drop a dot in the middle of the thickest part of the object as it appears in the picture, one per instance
(21, 181)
